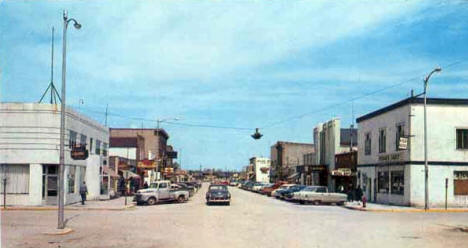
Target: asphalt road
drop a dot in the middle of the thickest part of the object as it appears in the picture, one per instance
(252, 220)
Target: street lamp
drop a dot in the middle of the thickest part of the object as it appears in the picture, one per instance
(426, 167)
(61, 188)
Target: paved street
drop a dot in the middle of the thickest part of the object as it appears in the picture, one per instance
(252, 220)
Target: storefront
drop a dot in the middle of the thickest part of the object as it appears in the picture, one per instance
(316, 175)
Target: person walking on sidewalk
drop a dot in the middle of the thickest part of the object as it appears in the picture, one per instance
(83, 192)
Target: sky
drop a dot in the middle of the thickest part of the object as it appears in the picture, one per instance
(224, 68)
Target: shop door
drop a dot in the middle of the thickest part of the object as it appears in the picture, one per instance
(50, 184)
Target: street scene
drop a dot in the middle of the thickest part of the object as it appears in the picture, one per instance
(251, 220)
(233, 123)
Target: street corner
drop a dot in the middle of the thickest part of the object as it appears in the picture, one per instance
(56, 232)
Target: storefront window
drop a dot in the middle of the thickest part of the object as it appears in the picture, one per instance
(460, 182)
(383, 182)
(71, 179)
(398, 182)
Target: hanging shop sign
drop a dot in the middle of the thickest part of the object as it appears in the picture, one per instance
(342, 172)
(146, 164)
(403, 143)
(79, 152)
(172, 154)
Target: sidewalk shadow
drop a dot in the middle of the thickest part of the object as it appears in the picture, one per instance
(70, 218)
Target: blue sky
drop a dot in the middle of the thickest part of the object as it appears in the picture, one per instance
(234, 64)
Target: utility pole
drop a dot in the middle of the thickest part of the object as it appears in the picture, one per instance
(61, 187)
(107, 107)
(426, 167)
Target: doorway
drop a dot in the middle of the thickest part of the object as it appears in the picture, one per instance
(49, 184)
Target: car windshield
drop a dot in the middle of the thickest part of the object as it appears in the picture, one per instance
(218, 187)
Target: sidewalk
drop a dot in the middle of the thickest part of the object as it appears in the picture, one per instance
(374, 207)
(117, 204)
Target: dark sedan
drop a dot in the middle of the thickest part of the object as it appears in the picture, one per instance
(218, 193)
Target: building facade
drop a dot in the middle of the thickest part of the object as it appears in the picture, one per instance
(391, 153)
(330, 139)
(261, 169)
(148, 146)
(29, 154)
(286, 157)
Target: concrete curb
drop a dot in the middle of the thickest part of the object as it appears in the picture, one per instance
(59, 232)
(128, 207)
(451, 210)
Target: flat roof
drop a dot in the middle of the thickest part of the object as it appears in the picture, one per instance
(414, 100)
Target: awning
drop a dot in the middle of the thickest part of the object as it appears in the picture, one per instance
(295, 175)
(109, 171)
(128, 174)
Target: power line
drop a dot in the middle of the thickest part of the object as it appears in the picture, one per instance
(330, 106)
(334, 105)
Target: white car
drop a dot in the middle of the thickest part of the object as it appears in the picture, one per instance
(274, 193)
(258, 186)
(318, 195)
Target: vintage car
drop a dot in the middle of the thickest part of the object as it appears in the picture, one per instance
(268, 189)
(318, 195)
(289, 193)
(161, 191)
(258, 186)
(218, 193)
(276, 193)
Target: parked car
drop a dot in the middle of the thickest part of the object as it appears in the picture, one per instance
(318, 195)
(248, 185)
(189, 187)
(260, 188)
(160, 191)
(289, 193)
(257, 186)
(218, 193)
(268, 189)
(276, 193)
(233, 183)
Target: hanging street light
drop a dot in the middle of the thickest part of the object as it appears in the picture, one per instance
(257, 135)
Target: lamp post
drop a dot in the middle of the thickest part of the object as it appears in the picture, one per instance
(61, 188)
(426, 167)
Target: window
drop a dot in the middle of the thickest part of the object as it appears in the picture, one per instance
(367, 144)
(17, 178)
(462, 138)
(460, 182)
(383, 182)
(400, 132)
(71, 179)
(398, 182)
(163, 185)
(72, 138)
(382, 141)
(90, 145)
(104, 149)
(83, 139)
(98, 147)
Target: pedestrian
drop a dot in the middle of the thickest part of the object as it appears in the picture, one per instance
(83, 192)
(122, 185)
(359, 193)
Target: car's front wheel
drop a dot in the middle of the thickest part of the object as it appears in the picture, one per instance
(181, 199)
(151, 201)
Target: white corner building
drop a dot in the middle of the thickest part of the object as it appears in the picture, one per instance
(261, 169)
(391, 153)
(29, 154)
